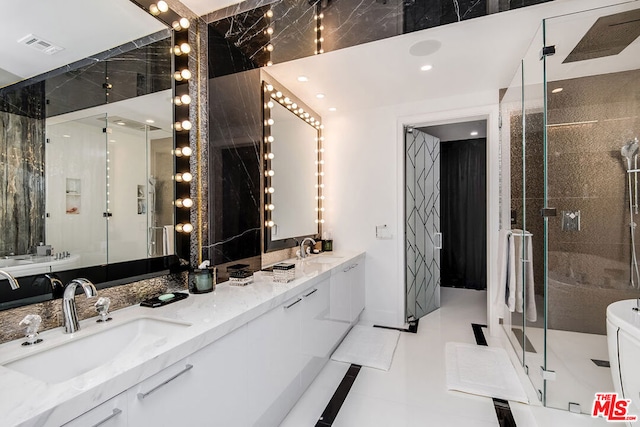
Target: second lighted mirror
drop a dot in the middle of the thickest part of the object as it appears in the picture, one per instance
(293, 171)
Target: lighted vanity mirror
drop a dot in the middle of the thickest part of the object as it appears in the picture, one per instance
(293, 172)
(85, 141)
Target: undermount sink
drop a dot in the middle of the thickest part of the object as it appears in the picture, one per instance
(79, 355)
(324, 259)
(4, 263)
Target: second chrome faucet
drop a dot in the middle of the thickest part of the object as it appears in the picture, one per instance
(69, 310)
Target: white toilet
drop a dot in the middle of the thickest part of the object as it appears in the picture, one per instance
(623, 337)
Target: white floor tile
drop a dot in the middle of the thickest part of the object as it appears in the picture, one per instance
(413, 392)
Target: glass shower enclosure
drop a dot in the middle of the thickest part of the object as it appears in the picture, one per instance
(570, 125)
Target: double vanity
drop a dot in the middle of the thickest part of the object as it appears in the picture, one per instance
(238, 356)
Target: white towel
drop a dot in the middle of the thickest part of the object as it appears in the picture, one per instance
(506, 271)
(522, 239)
(167, 240)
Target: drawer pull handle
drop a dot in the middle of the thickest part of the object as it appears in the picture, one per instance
(346, 269)
(115, 413)
(293, 303)
(312, 292)
(143, 395)
(354, 265)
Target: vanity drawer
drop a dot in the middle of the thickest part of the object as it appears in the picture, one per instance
(111, 413)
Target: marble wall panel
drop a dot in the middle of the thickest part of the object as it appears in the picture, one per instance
(22, 143)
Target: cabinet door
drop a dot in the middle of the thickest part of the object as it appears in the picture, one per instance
(340, 306)
(112, 413)
(318, 337)
(207, 388)
(274, 364)
(357, 288)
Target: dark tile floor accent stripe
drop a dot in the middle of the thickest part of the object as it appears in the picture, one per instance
(413, 327)
(477, 332)
(601, 363)
(331, 411)
(502, 408)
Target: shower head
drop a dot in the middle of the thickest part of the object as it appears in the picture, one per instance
(629, 151)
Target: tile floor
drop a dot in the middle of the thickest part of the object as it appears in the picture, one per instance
(413, 392)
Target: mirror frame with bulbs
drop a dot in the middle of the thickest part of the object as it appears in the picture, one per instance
(120, 273)
(272, 91)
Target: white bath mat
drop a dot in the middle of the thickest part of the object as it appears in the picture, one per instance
(482, 370)
(368, 346)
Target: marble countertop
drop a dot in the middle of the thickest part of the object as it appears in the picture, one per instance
(25, 400)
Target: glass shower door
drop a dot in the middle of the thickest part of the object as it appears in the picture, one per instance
(592, 114)
(75, 179)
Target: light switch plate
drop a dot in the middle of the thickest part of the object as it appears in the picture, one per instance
(383, 232)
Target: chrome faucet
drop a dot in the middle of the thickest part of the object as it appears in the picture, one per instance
(13, 282)
(303, 252)
(69, 310)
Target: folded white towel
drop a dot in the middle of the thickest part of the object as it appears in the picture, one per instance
(523, 248)
(506, 271)
(167, 240)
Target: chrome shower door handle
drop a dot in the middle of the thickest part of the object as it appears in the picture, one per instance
(437, 241)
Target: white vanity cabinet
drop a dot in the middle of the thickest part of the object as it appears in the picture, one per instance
(251, 376)
(320, 334)
(112, 413)
(274, 363)
(348, 291)
(205, 389)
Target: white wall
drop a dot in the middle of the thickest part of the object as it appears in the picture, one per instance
(364, 157)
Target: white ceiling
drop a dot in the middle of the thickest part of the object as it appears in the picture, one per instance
(81, 27)
(478, 55)
(458, 131)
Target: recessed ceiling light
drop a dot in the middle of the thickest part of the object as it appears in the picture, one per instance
(150, 121)
(66, 136)
(474, 133)
(303, 78)
(333, 109)
(121, 123)
(557, 90)
(426, 67)
(320, 95)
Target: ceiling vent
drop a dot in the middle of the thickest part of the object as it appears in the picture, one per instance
(37, 43)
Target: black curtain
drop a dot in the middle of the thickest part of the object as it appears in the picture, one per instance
(463, 213)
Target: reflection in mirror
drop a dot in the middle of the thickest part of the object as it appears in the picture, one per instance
(85, 143)
(293, 170)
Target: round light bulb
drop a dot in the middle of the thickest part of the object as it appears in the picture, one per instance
(269, 88)
(270, 190)
(186, 74)
(270, 104)
(179, 228)
(177, 126)
(269, 173)
(179, 203)
(187, 228)
(153, 9)
(269, 30)
(186, 125)
(187, 177)
(270, 138)
(185, 48)
(269, 63)
(185, 99)
(269, 13)
(187, 203)
(271, 207)
(178, 177)
(184, 23)
(270, 122)
(186, 151)
(270, 223)
(270, 156)
(163, 6)
(178, 76)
